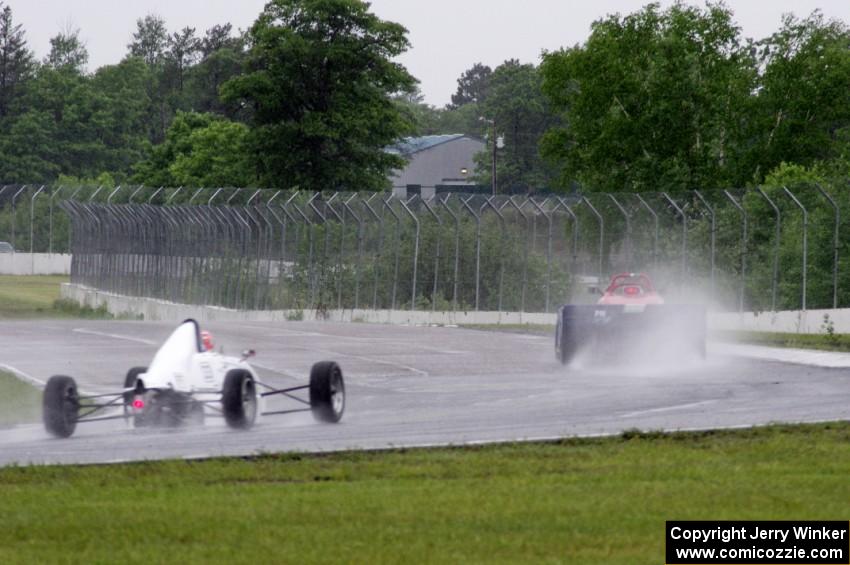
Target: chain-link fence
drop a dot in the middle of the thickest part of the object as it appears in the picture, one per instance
(756, 249)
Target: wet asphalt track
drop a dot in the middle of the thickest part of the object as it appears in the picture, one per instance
(409, 386)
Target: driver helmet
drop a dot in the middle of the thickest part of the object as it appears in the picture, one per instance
(207, 340)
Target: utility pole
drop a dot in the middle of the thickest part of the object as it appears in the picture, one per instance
(495, 143)
(492, 122)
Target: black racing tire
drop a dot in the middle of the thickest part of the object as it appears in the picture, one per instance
(327, 392)
(239, 399)
(566, 344)
(60, 406)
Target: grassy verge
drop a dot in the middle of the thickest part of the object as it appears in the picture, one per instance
(38, 297)
(826, 342)
(534, 329)
(574, 501)
(20, 402)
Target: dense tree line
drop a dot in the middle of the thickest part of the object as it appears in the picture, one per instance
(302, 99)
(659, 99)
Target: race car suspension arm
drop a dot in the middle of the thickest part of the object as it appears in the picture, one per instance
(86, 409)
(284, 391)
(271, 391)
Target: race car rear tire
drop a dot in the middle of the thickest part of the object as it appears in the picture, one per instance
(130, 381)
(60, 406)
(239, 399)
(566, 344)
(327, 392)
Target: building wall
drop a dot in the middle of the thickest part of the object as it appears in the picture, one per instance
(440, 164)
(34, 264)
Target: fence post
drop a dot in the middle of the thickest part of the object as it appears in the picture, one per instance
(456, 218)
(232, 196)
(626, 217)
(776, 243)
(684, 216)
(195, 195)
(32, 226)
(377, 258)
(465, 203)
(488, 202)
(415, 251)
(526, 252)
(397, 247)
(341, 219)
(713, 238)
(95, 193)
(601, 221)
(654, 215)
(134, 193)
(743, 248)
(548, 249)
(14, 217)
(113, 193)
(359, 264)
(216, 193)
(439, 221)
(152, 196)
(805, 240)
(834, 244)
(311, 286)
(53, 193)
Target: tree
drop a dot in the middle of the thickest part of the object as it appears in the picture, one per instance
(16, 60)
(150, 39)
(67, 51)
(199, 150)
(521, 114)
(222, 58)
(319, 82)
(216, 155)
(653, 101)
(802, 102)
(183, 48)
(472, 86)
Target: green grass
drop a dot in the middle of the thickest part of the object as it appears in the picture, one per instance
(26, 297)
(574, 501)
(535, 329)
(20, 402)
(826, 342)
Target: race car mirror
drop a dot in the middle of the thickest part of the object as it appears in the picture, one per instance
(248, 353)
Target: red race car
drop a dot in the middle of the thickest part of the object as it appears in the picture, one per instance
(629, 320)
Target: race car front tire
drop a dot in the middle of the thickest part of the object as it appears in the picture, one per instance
(60, 406)
(239, 399)
(327, 392)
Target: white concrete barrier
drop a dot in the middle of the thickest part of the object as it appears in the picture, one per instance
(811, 321)
(35, 264)
(153, 309)
(790, 321)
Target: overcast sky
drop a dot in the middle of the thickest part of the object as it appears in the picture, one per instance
(447, 36)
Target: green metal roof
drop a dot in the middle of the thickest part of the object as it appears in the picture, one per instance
(411, 145)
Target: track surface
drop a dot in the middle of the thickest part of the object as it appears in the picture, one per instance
(409, 386)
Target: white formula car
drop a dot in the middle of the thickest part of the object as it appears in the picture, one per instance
(186, 381)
